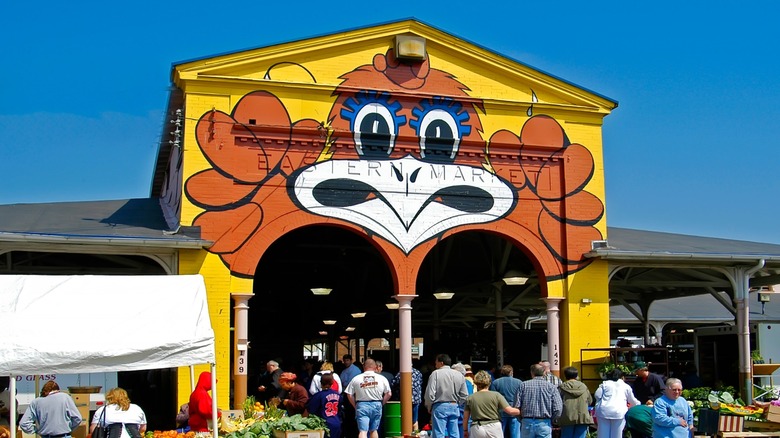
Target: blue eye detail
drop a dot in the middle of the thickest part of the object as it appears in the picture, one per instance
(374, 122)
(441, 123)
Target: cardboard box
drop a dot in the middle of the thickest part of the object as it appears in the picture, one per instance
(299, 434)
(773, 414)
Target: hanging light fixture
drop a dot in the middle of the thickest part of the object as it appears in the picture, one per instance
(323, 333)
(329, 321)
(359, 314)
(514, 277)
(349, 329)
(392, 306)
(321, 290)
(443, 294)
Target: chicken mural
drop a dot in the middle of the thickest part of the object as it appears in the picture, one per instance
(402, 156)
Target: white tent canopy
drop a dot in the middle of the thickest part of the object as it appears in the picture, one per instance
(89, 324)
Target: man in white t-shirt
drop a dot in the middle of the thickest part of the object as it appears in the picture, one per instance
(368, 392)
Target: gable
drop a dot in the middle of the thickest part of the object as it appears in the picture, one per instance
(503, 84)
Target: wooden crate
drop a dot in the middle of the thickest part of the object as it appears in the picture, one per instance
(299, 434)
(773, 414)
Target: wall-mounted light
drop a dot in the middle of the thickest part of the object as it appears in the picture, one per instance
(392, 306)
(321, 290)
(359, 314)
(329, 321)
(409, 47)
(514, 278)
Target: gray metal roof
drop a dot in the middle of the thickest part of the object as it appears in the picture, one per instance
(624, 243)
(119, 222)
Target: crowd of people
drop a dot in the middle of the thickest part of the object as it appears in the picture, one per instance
(459, 404)
(54, 415)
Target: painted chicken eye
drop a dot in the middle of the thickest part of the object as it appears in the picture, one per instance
(374, 122)
(440, 123)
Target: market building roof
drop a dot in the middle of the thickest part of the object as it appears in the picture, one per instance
(118, 222)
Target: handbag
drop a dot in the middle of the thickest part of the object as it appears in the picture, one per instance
(101, 431)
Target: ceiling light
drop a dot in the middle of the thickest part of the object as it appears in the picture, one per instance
(359, 314)
(321, 290)
(329, 321)
(350, 329)
(443, 294)
(392, 306)
(514, 278)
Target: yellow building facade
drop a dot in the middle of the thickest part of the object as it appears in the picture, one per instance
(405, 136)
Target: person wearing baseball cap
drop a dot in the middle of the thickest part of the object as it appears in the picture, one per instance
(647, 386)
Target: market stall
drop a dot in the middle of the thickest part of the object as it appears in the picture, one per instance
(90, 324)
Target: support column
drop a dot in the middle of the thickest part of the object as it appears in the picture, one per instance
(240, 345)
(499, 328)
(554, 334)
(658, 328)
(405, 360)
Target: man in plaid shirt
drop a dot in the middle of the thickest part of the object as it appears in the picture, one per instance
(540, 404)
(548, 375)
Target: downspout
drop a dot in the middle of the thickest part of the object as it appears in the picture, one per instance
(743, 328)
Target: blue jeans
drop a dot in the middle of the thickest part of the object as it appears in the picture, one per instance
(510, 426)
(444, 417)
(368, 414)
(574, 431)
(535, 428)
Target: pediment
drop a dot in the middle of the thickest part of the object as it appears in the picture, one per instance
(321, 62)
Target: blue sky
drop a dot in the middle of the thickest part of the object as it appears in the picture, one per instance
(692, 148)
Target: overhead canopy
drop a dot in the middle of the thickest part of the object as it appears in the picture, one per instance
(87, 324)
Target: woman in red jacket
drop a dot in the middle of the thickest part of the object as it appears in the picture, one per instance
(200, 404)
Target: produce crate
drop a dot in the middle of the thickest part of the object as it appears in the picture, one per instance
(711, 422)
(773, 414)
(299, 434)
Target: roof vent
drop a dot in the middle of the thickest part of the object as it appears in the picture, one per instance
(598, 244)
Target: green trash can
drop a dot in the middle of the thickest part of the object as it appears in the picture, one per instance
(391, 417)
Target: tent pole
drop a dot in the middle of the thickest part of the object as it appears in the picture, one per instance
(192, 378)
(12, 408)
(214, 400)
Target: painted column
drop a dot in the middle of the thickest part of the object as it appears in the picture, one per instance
(240, 345)
(553, 334)
(405, 360)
